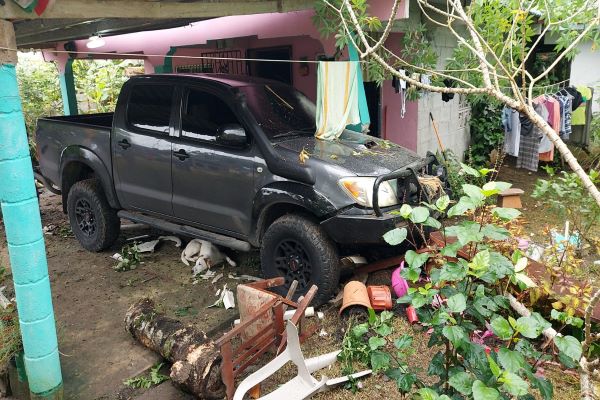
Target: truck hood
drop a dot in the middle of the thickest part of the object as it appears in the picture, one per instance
(358, 153)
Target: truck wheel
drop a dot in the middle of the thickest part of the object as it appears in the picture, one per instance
(296, 248)
(94, 223)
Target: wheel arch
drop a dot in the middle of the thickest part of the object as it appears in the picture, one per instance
(79, 163)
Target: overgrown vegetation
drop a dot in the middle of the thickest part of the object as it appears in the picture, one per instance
(10, 336)
(565, 194)
(484, 349)
(486, 131)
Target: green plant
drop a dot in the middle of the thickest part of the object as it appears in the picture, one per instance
(486, 131)
(457, 176)
(130, 258)
(469, 296)
(566, 195)
(154, 378)
(99, 83)
(369, 344)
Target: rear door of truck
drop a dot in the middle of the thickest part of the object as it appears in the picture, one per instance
(141, 145)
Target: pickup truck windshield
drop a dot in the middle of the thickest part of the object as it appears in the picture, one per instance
(281, 110)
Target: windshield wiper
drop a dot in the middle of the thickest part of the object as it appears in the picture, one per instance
(289, 133)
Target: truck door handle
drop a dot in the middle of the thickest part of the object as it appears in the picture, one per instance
(124, 144)
(181, 154)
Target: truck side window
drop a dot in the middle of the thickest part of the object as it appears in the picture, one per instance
(150, 108)
(203, 114)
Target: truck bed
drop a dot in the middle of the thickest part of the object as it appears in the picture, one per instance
(55, 134)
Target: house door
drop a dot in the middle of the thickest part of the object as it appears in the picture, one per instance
(279, 71)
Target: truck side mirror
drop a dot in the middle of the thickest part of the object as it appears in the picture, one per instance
(232, 135)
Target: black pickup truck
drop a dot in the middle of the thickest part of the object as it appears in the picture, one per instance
(232, 160)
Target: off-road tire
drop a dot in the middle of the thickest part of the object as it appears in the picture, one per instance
(107, 223)
(320, 251)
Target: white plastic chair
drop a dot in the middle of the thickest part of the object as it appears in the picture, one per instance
(303, 385)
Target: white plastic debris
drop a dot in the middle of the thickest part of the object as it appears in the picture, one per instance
(216, 278)
(173, 239)
(245, 277)
(4, 302)
(323, 333)
(150, 246)
(208, 275)
(226, 299)
(117, 256)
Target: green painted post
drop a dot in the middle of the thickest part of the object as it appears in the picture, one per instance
(67, 89)
(26, 247)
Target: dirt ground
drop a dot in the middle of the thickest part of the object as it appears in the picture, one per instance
(91, 298)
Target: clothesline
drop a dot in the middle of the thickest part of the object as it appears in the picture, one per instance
(139, 55)
(541, 87)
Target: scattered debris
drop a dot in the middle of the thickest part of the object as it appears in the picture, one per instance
(399, 284)
(303, 385)
(216, 278)
(196, 359)
(310, 312)
(323, 333)
(204, 254)
(154, 378)
(380, 297)
(245, 277)
(4, 301)
(150, 246)
(303, 156)
(226, 299)
(356, 297)
(411, 315)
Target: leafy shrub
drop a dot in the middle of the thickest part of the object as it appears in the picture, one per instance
(470, 296)
(486, 129)
(457, 176)
(566, 195)
(154, 378)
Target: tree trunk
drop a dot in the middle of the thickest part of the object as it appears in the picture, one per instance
(196, 359)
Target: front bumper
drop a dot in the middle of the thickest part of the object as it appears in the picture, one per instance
(354, 227)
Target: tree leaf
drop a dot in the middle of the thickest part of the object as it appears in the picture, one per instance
(482, 392)
(514, 384)
(525, 280)
(469, 170)
(462, 382)
(455, 334)
(494, 232)
(510, 360)
(419, 215)
(501, 328)
(457, 303)
(494, 366)
(569, 346)
(464, 204)
(528, 327)
(395, 236)
(452, 271)
(376, 342)
(405, 211)
(433, 223)
(380, 361)
(428, 394)
(384, 330)
(442, 203)
(506, 214)
(474, 193)
(416, 260)
(403, 342)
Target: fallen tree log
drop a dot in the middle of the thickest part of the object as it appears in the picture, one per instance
(196, 359)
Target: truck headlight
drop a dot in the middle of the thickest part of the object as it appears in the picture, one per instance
(361, 191)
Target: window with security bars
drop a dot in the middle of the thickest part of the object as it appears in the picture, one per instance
(220, 62)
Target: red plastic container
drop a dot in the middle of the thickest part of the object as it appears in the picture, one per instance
(411, 315)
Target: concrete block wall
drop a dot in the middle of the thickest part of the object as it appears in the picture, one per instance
(452, 117)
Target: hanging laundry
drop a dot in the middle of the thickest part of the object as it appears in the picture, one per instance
(576, 97)
(581, 118)
(512, 131)
(565, 114)
(400, 87)
(337, 98)
(578, 117)
(448, 96)
(530, 140)
(546, 148)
